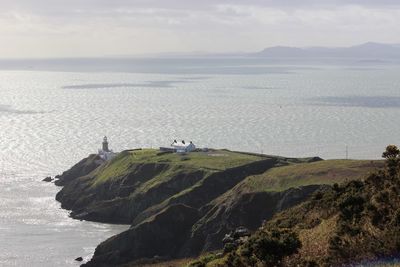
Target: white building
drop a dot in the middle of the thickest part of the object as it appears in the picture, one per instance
(183, 147)
(105, 153)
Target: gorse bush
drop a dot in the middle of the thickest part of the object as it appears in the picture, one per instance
(392, 156)
(265, 247)
(351, 207)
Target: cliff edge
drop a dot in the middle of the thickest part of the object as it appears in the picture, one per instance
(183, 205)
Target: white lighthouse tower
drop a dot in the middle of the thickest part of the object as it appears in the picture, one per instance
(105, 144)
(105, 153)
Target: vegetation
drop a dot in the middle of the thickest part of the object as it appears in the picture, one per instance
(204, 260)
(269, 247)
(214, 160)
(355, 221)
(212, 193)
(320, 172)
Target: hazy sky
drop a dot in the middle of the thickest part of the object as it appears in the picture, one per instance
(68, 28)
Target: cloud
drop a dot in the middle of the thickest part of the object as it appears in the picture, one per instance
(78, 8)
(102, 27)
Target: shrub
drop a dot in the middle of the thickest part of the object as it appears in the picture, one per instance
(351, 207)
(335, 243)
(336, 187)
(202, 262)
(318, 195)
(396, 218)
(197, 264)
(270, 247)
(229, 247)
(233, 260)
(391, 155)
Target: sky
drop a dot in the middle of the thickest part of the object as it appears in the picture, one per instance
(91, 28)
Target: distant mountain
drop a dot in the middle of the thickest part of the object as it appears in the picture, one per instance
(364, 51)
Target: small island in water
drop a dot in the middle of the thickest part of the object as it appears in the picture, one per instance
(191, 206)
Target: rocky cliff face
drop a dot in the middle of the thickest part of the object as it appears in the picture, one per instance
(249, 209)
(82, 168)
(174, 209)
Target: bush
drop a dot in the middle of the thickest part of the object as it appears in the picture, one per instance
(396, 218)
(197, 264)
(270, 247)
(335, 243)
(229, 247)
(336, 187)
(392, 155)
(234, 260)
(351, 207)
(202, 262)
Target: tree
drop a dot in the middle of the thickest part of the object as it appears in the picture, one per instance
(392, 154)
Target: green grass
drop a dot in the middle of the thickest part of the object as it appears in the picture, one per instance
(276, 179)
(214, 160)
(321, 172)
(119, 166)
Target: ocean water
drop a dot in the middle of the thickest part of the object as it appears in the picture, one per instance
(50, 118)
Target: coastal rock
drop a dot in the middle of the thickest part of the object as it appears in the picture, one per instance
(48, 179)
(82, 168)
(161, 236)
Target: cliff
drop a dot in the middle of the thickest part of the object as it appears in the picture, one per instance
(183, 205)
(354, 223)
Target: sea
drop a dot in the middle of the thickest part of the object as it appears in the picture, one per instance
(53, 113)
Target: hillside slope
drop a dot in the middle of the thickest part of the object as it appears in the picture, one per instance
(183, 205)
(353, 222)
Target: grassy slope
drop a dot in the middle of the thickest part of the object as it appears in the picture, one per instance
(276, 179)
(357, 221)
(368, 232)
(320, 172)
(297, 173)
(294, 175)
(215, 160)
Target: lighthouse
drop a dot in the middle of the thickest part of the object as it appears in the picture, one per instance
(105, 144)
(105, 153)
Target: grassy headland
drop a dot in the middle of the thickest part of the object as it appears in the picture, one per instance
(187, 203)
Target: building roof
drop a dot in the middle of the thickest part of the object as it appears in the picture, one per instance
(181, 144)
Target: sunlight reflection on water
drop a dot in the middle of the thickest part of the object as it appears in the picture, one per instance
(46, 127)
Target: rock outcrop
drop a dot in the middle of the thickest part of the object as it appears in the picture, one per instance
(82, 168)
(161, 235)
(48, 179)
